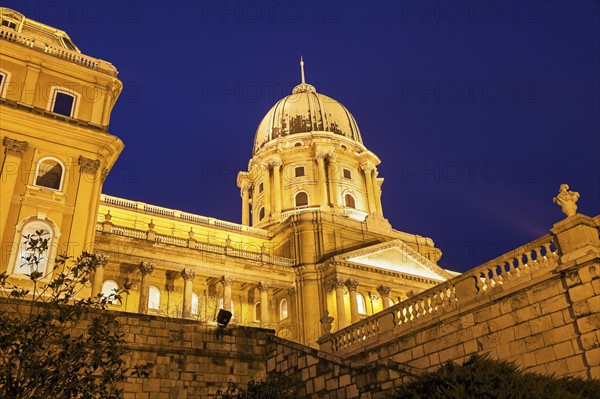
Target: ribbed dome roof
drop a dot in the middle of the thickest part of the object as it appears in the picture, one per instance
(305, 111)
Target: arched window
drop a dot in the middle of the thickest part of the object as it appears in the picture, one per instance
(349, 200)
(154, 298)
(195, 304)
(301, 199)
(109, 287)
(49, 173)
(362, 305)
(283, 309)
(257, 311)
(29, 261)
(298, 144)
(261, 214)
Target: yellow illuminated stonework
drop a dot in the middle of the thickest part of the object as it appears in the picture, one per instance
(314, 258)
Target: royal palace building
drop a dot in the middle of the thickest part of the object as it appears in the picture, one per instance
(313, 239)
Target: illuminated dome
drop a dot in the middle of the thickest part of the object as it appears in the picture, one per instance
(305, 111)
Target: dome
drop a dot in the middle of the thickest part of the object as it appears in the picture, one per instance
(305, 111)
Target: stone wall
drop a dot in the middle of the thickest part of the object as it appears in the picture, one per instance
(191, 360)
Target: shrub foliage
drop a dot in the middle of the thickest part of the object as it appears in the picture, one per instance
(480, 377)
(56, 345)
(276, 386)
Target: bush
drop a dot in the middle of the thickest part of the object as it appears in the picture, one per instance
(55, 344)
(275, 387)
(480, 377)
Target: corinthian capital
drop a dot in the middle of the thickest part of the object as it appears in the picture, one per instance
(88, 165)
(188, 274)
(14, 147)
(146, 267)
(320, 155)
(263, 286)
(227, 281)
(367, 167)
(352, 284)
(384, 291)
(337, 282)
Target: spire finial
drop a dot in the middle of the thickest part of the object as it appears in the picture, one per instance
(302, 69)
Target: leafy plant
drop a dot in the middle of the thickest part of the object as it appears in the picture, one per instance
(480, 377)
(276, 386)
(56, 344)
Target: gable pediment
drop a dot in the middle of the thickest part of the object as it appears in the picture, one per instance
(396, 256)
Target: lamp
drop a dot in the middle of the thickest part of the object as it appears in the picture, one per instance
(223, 318)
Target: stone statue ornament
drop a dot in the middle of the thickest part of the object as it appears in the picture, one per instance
(567, 200)
(326, 321)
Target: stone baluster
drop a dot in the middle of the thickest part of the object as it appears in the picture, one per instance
(188, 278)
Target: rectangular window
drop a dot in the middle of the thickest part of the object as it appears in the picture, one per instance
(9, 24)
(347, 174)
(63, 104)
(299, 171)
(260, 188)
(1, 83)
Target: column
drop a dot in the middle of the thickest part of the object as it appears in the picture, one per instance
(98, 279)
(334, 180)
(245, 204)
(377, 193)
(263, 287)
(88, 179)
(188, 278)
(146, 268)
(352, 285)
(227, 283)
(266, 189)
(292, 307)
(338, 285)
(277, 185)
(384, 291)
(11, 168)
(367, 170)
(322, 178)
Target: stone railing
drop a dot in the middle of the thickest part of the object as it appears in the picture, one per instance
(16, 37)
(355, 214)
(287, 214)
(188, 217)
(72, 56)
(513, 268)
(202, 246)
(56, 51)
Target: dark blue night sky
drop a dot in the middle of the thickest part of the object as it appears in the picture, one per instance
(478, 110)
